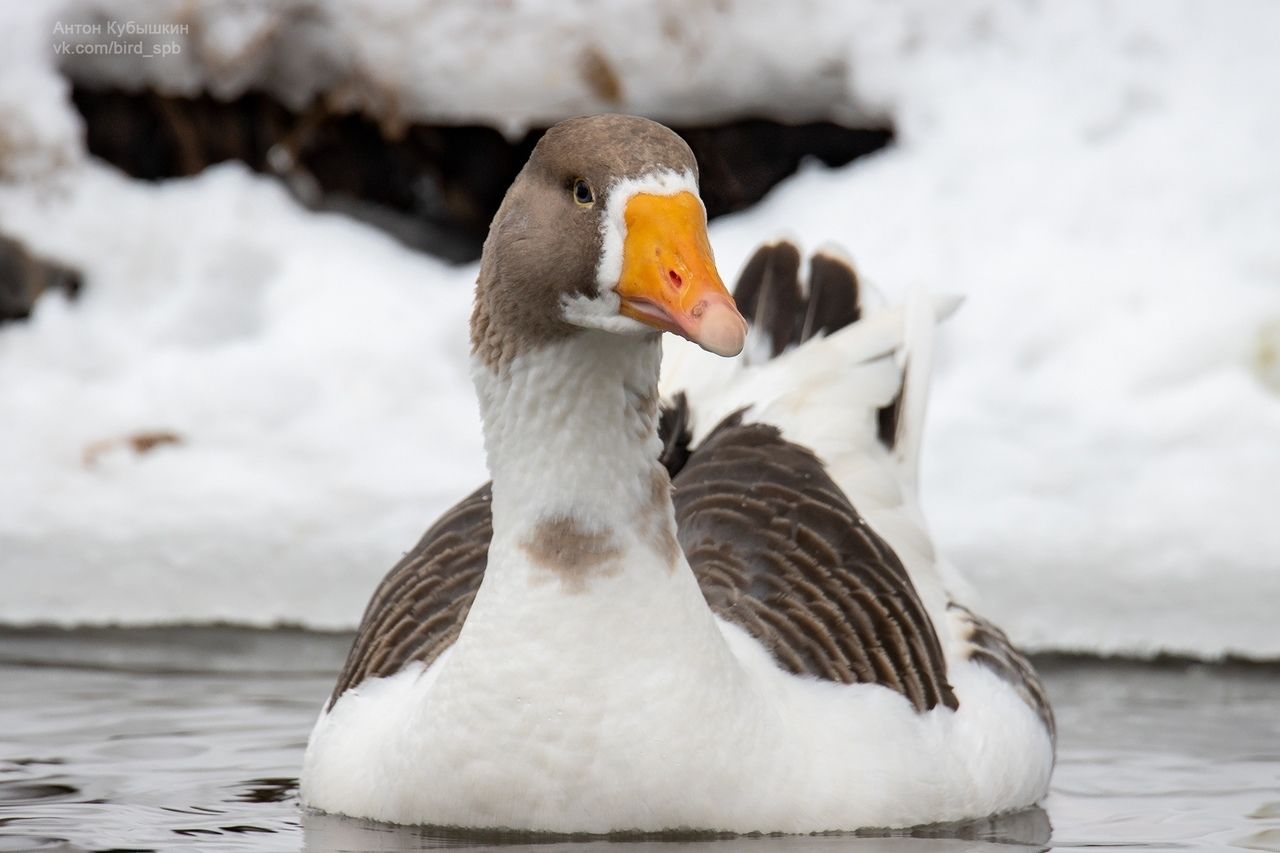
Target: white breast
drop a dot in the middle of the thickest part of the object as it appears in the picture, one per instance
(662, 725)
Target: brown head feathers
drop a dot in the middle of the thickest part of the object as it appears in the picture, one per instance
(545, 242)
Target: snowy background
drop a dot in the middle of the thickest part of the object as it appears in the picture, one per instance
(1100, 180)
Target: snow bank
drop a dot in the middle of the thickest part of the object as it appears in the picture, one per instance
(1103, 459)
(314, 372)
(528, 63)
(37, 130)
(1099, 180)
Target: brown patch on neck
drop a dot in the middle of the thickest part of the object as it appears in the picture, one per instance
(657, 520)
(568, 550)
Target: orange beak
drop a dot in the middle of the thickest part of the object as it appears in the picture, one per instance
(669, 279)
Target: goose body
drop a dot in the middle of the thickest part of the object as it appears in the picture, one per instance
(710, 605)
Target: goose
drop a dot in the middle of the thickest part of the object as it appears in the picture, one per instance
(709, 603)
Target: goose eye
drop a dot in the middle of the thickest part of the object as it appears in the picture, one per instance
(582, 193)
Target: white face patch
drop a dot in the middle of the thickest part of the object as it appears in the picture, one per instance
(602, 311)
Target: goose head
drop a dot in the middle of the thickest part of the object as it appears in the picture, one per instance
(602, 230)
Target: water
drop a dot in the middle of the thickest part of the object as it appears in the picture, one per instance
(192, 738)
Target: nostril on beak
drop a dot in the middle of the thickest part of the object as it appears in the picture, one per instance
(676, 281)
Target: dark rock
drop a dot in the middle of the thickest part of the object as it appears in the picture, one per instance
(24, 276)
(435, 187)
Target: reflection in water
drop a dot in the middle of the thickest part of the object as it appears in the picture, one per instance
(275, 789)
(26, 843)
(1028, 828)
(15, 793)
(176, 739)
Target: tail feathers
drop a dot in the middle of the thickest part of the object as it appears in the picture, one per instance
(824, 357)
(901, 423)
(768, 295)
(834, 295)
(784, 311)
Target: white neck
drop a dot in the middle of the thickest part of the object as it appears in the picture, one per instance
(572, 442)
(587, 599)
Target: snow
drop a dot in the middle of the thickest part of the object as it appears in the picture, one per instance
(1098, 179)
(315, 372)
(434, 60)
(37, 130)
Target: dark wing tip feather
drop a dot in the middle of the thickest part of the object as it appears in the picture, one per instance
(768, 292)
(889, 418)
(833, 301)
(770, 296)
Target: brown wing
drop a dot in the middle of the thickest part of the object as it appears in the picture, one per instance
(418, 609)
(778, 550)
